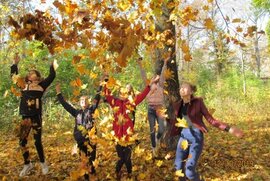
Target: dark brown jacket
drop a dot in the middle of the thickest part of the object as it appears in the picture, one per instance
(196, 111)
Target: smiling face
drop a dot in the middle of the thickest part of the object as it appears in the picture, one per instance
(84, 102)
(33, 75)
(123, 93)
(186, 90)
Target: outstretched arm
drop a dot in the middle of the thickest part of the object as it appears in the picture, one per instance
(97, 98)
(48, 80)
(142, 71)
(218, 124)
(162, 74)
(62, 101)
(140, 97)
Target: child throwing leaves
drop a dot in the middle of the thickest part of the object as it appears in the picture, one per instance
(84, 123)
(32, 90)
(123, 126)
(192, 110)
(155, 100)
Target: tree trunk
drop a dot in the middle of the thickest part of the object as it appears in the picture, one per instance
(243, 73)
(257, 54)
(172, 85)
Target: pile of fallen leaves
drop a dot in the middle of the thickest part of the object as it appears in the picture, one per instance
(224, 157)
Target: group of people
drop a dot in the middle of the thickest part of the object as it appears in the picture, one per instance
(189, 107)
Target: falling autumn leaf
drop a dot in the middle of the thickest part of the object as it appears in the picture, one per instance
(208, 23)
(184, 144)
(179, 173)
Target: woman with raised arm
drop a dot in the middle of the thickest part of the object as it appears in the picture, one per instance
(30, 109)
(84, 122)
(192, 109)
(155, 100)
(123, 125)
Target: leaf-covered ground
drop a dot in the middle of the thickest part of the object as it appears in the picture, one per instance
(224, 157)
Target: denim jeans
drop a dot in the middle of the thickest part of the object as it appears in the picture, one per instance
(152, 118)
(186, 160)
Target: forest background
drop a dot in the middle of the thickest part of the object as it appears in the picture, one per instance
(221, 46)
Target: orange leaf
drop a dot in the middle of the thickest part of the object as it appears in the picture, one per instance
(185, 47)
(81, 69)
(76, 92)
(187, 57)
(208, 23)
(15, 92)
(168, 74)
(76, 83)
(239, 29)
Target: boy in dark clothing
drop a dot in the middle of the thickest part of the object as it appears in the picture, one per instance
(32, 90)
(83, 121)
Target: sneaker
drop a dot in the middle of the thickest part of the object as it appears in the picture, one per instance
(44, 168)
(26, 169)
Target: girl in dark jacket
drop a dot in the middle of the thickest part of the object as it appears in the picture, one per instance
(192, 110)
(84, 122)
(32, 90)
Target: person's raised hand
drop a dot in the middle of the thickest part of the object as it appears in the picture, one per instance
(16, 59)
(155, 79)
(58, 88)
(55, 64)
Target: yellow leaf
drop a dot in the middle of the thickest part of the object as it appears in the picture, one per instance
(179, 173)
(96, 114)
(233, 153)
(138, 150)
(129, 131)
(124, 5)
(111, 83)
(184, 144)
(236, 20)
(181, 123)
(159, 163)
(148, 157)
(141, 176)
(206, 8)
(96, 163)
(208, 23)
